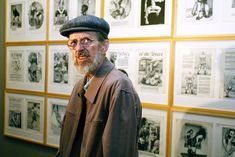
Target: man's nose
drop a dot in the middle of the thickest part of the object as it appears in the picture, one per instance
(79, 47)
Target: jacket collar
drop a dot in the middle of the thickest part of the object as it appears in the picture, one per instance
(96, 82)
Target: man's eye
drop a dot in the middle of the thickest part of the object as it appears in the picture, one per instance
(85, 41)
(73, 43)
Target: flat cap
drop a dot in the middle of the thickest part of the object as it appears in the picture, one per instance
(85, 23)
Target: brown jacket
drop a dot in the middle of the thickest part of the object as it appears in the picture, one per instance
(113, 116)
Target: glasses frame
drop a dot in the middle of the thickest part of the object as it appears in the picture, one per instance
(84, 42)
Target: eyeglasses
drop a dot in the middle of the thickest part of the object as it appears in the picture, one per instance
(85, 42)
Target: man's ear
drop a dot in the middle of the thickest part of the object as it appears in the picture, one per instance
(105, 46)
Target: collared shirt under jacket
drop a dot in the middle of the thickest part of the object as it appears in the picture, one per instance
(104, 121)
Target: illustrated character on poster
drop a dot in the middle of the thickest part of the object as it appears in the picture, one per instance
(61, 68)
(35, 110)
(189, 84)
(229, 143)
(151, 7)
(15, 119)
(15, 17)
(36, 15)
(229, 87)
(202, 67)
(193, 141)
(56, 115)
(84, 9)
(200, 9)
(33, 70)
(61, 14)
(119, 11)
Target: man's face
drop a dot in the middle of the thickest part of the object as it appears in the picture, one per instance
(87, 51)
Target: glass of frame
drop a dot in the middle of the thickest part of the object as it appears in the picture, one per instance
(24, 117)
(25, 68)
(62, 74)
(63, 10)
(204, 74)
(202, 135)
(147, 65)
(55, 113)
(130, 18)
(26, 20)
(194, 20)
(152, 134)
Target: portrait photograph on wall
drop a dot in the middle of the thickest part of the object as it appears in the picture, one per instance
(25, 68)
(61, 71)
(152, 134)
(55, 113)
(199, 66)
(129, 18)
(24, 117)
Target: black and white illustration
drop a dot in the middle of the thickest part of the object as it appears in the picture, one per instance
(120, 9)
(26, 67)
(196, 70)
(16, 66)
(34, 67)
(199, 10)
(61, 68)
(193, 138)
(55, 113)
(150, 69)
(120, 58)
(36, 15)
(228, 73)
(149, 136)
(87, 7)
(24, 117)
(62, 74)
(16, 16)
(151, 141)
(152, 12)
(228, 142)
(61, 11)
(33, 115)
(15, 113)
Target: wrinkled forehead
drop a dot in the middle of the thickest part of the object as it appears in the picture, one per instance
(81, 35)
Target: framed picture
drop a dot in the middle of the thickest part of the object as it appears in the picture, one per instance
(147, 65)
(55, 112)
(129, 18)
(24, 117)
(26, 20)
(25, 68)
(192, 135)
(199, 67)
(62, 74)
(152, 134)
(226, 138)
(202, 17)
(63, 10)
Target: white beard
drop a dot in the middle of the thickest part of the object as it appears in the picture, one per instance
(84, 69)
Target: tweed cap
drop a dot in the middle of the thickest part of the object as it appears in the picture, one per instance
(85, 23)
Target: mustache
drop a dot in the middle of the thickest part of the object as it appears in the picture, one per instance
(83, 53)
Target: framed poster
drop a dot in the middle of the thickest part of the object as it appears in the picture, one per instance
(129, 18)
(26, 20)
(147, 65)
(63, 10)
(55, 112)
(204, 74)
(152, 134)
(62, 74)
(192, 135)
(202, 17)
(25, 68)
(24, 117)
(202, 135)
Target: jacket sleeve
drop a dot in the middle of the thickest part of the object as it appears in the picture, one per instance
(121, 130)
